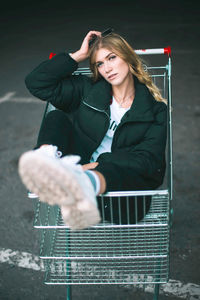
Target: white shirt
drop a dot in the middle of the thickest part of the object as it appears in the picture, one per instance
(116, 113)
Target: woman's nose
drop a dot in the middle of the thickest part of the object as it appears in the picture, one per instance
(107, 68)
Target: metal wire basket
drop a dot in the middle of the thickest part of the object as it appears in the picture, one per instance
(131, 244)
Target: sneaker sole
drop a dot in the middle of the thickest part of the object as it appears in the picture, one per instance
(80, 219)
(56, 185)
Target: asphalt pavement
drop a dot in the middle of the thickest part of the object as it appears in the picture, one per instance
(29, 32)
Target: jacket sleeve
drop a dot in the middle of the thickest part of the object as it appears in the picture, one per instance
(52, 81)
(145, 158)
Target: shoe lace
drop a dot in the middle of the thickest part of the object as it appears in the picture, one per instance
(58, 154)
(51, 150)
(71, 159)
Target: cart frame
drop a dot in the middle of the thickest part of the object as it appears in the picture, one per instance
(135, 253)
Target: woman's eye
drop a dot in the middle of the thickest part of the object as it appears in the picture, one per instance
(112, 57)
(99, 64)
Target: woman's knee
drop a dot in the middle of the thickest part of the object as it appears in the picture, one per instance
(56, 115)
(58, 119)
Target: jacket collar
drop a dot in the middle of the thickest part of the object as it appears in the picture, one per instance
(100, 95)
(141, 110)
(142, 106)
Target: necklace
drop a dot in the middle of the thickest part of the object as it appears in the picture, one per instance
(125, 103)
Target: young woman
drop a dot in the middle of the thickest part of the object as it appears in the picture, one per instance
(113, 124)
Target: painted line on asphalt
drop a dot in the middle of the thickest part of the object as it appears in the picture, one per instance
(21, 259)
(25, 100)
(9, 97)
(189, 291)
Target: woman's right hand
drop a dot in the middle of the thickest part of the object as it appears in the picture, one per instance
(83, 52)
(90, 166)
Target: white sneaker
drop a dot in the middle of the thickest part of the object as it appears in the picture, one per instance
(48, 150)
(61, 182)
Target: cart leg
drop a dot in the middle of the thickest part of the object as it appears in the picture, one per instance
(156, 291)
(68, 266)
(69, 292)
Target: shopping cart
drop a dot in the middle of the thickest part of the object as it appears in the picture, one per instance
(132, 251)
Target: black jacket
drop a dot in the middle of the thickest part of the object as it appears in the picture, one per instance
(137, 158)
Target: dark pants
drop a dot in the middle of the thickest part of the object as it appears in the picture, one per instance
(57, 129)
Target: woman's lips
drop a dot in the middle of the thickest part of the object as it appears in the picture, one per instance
(112, 76)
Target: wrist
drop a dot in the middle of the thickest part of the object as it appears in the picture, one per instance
(77, 56)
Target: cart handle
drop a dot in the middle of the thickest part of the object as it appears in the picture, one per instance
(166, 50)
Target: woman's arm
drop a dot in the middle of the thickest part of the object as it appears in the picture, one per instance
(52, 80)
(145, 159)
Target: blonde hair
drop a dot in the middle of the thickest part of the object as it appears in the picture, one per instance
(114, 42)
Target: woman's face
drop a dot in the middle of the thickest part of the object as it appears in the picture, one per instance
(111, 67)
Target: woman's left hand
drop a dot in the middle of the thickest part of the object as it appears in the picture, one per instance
(90, 166)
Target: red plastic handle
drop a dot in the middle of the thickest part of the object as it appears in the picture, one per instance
(168, 51)
(51, 55)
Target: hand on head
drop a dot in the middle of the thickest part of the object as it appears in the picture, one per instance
(83, 52)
